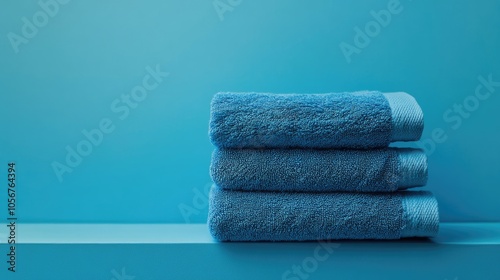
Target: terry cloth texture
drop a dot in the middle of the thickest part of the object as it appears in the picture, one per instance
(361, 119)
(314, 170)
(274, 216)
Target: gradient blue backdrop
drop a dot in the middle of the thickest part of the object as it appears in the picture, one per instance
(155, 162)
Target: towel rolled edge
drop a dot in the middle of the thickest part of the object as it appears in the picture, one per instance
(420, 214)
(407, 117)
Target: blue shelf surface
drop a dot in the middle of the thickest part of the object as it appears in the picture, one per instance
(187, 251)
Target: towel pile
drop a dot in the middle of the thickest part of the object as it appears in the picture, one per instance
(294, 167)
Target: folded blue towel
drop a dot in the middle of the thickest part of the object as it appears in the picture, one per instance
(313, 170)
(287, 216)
(334, 120)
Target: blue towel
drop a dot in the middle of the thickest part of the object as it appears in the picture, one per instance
(334, 120)
(313, 170)
(287, 216)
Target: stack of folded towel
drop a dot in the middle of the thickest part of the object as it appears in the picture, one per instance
(291, 167)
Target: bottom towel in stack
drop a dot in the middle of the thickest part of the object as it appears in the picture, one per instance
(299, 216)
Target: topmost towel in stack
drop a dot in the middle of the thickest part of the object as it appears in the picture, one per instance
(362, 120)
(317, 166)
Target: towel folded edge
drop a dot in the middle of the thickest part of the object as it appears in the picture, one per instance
(420, 214)
(407, 117)
(412, 167)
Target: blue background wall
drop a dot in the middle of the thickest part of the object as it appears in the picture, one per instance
(153, 167)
